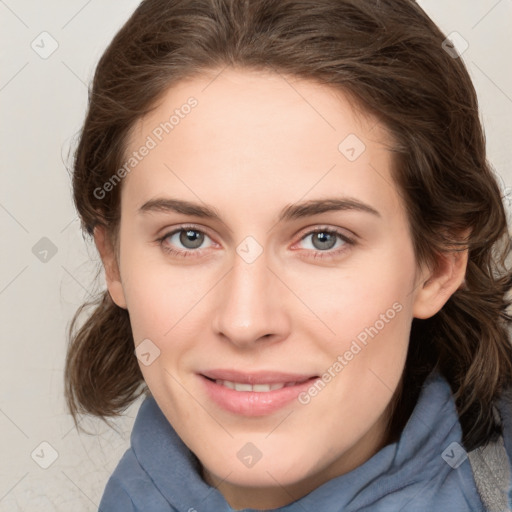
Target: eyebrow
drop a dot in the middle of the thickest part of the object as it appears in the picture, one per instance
(290, 212)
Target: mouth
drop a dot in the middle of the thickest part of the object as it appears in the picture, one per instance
(256, 388)
(254, 394)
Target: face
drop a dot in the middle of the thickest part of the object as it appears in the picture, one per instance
(266, 263)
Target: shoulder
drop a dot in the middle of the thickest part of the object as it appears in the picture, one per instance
(145, 477)
(505, 411)
(116, 496)
(130, 489)
(132, 486)
(492, 463)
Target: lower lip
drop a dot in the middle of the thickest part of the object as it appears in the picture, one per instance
(253, 403)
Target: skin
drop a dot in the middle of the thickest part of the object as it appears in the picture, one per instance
(255, 144)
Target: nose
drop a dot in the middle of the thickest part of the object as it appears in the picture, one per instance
(251, 307)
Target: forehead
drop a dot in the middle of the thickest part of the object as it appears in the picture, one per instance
(235, 129)
(257, 104)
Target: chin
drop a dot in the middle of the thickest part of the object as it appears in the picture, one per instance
(262, 477)
(273, 468)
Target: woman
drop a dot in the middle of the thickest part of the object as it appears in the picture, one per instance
(304, 249)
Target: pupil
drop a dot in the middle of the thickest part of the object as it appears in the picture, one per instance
(324, 240)
(191, 238)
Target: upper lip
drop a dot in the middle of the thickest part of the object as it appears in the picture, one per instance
(256, 377)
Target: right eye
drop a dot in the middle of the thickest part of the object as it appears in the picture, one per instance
(185, 241)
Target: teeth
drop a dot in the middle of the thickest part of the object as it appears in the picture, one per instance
(242, 387)
(259, 388)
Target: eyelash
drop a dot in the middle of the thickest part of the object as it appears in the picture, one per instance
(317, 254)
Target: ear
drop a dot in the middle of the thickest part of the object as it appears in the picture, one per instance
(438, 285)
(108, 258)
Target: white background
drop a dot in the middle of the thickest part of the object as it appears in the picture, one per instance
(42, 105)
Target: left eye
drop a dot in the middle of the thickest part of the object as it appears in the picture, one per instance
(324, 240)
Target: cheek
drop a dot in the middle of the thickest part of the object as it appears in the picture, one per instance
(164, 301)
(372, 321)
(368, 298)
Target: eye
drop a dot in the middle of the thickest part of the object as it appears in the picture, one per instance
(185, 241)
(322, 240)
(325, 240)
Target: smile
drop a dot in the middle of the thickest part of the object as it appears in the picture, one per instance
(258, 388)
(253, 394)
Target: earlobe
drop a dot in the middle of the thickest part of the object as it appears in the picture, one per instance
(438, 285)
(108, 258)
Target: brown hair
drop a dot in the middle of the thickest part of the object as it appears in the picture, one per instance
(389, 55)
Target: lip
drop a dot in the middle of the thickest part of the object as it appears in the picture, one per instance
(258, 377)
(253, 403)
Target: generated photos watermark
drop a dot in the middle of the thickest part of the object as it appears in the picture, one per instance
(355, 348)
(157, 135)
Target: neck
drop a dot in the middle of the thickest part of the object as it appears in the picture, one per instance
(278, 495)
